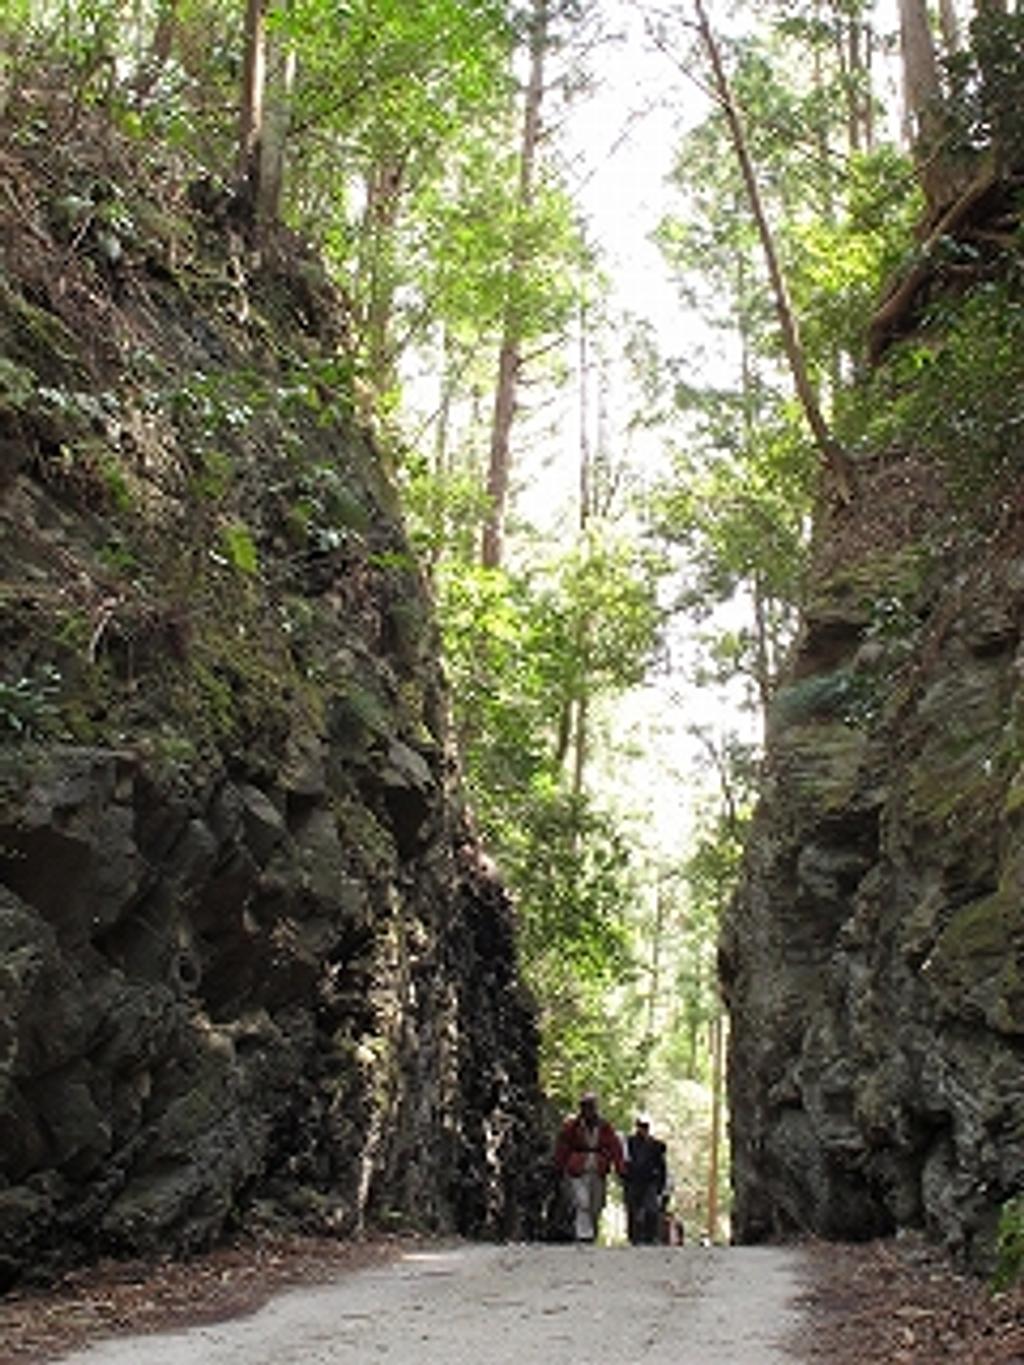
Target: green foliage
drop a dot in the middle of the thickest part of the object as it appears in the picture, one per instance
(740, 499)
(400, 155)
(17, 385)
(467, 222)
(27, 705)
(838, 215)
(446, 510)
(983, 110)
(240, 548)
(740, 517)
(395, 67)
(112, 475)
(839, 261)
(214, 476)
(710, 873)
(599, 618)
(741, 522)
(955, 390)
(520, 650)
(500, 676)
(522, 646)
(573, 884)
(119, 557)
(382, 119)
(1009, 1245)
(571, 871)
(847, 694)
(221, 401)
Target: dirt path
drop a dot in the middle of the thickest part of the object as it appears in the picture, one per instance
(487, 1305)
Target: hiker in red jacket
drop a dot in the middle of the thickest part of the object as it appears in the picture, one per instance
(587, 1148)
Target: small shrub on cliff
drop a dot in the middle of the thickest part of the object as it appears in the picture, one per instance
(17, 385)
(240, 548)
(27, 705)
(848, 695)
(1010, 1245)
(957, 390)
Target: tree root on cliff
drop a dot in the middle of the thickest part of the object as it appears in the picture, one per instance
(968, 216)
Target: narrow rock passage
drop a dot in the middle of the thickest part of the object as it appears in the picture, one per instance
(512, 1305)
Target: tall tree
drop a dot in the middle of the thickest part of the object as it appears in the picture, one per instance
(388, 124)
(923, 96)
(510, 350)
(512, 644)
(830, 450)
(254, 80)
(279, 93)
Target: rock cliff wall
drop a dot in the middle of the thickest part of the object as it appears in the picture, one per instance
(872, 959)
(252, 963)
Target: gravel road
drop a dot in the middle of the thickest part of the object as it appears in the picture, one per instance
(512, 1305)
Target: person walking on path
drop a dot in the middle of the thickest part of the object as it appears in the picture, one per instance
(587, 1148)
(645, 1179)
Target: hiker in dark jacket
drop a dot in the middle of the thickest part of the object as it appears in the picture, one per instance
(644, 1182)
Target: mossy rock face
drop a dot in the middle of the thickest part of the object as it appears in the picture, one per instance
(359, 716)
(35, 340)
(17, 385)
(975, 968)
(244, 962)
(874, 953)
(822, 765)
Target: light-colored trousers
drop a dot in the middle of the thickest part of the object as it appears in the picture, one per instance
(586, 1195)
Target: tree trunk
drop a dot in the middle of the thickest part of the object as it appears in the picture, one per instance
(921, 85)
(509, 356)
(716, 1124)
(764, 677)
(280, 89)
(586, 459)
(384, 189)
(499, 467)
(869, 103)
(151, 68)
(845, 42)
(891, 315)
(950, 26)
(254, 81)
(581, 741)
(942, 176)
(832, 454)
(854, 42)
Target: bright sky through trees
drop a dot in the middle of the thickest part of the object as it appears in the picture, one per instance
(621, 137)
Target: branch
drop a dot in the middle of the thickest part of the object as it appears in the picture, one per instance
(832, 454)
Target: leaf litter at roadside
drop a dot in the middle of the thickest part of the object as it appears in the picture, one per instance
(114, 1297)
(899, 1301)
